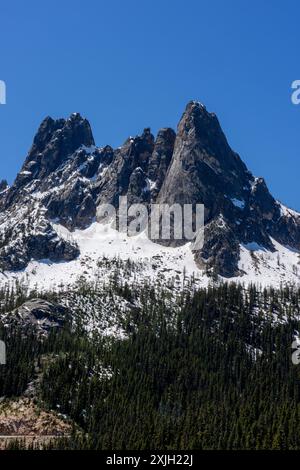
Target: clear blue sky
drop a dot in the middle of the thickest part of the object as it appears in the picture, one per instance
(130, 64)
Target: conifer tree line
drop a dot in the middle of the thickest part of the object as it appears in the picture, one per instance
(209, 369)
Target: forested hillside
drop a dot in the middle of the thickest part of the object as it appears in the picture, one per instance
(209, 369)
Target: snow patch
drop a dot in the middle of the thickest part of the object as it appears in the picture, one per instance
(286, 212)
(240, 203)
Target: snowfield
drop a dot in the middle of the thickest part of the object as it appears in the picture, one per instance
(269, 269)
(100, 246)
(100, 242)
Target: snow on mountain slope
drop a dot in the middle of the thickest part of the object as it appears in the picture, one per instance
(286, 211)
(100, 247)
(105, 252)
(269, 268)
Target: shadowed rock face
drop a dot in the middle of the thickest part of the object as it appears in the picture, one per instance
(203, 167)
(220, 252)
(117, 178)
(53, 144)
(160, 159)
(65, 177)
(3, 185)
(37, 314)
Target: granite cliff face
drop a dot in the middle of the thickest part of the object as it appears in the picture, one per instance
(65, 177)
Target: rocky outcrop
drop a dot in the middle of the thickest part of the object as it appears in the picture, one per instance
(129, 161)
(221, 250)
(160, 159)
(26, 234)
(23, 420)
(37, 314)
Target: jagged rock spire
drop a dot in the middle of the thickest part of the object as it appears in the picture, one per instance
(65, 177)
(54, 142)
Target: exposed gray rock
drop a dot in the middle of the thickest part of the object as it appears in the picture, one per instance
(26, 233)
(134, 154)
(221, 251)
(160, 159)
(203, 169)
(39, 314)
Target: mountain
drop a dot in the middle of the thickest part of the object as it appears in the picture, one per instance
(48, 227)
(111, 341)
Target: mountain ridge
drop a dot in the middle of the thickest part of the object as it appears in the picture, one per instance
(65, 177)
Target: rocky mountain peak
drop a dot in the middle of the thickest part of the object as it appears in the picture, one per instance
(200, 131)
(65, 177)
(196, 121)
(55, 141)
(203, 167)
